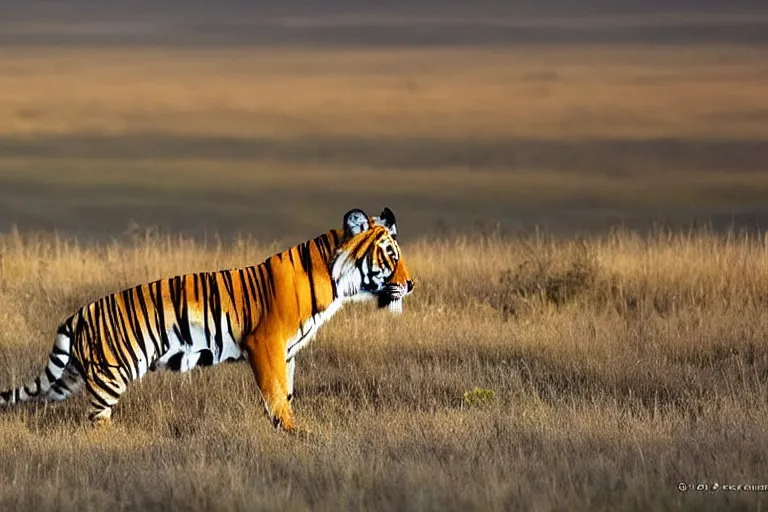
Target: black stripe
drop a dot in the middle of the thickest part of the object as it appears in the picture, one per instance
(331, 251)
(56, 361)
(104, 385)
(71, 325)
(96, 398)
(101, 336)
(270, 281)
(94, 386)
(229, 326)
(245, 290)
(106, 333)
(380, 259)
(115, 338)
(157, 300)
(56, 350)
(255, 288)
(306, 263)
(226, 277)
(229, 285)
(260, 284)
(126, 339)
(303, 336)
(177, 332)
(145, 314)
(206, 299)
(326, 246)
(88, 331)
(184, 321)
(130, 310)
(93, 337)
(179, 303)
(216, 311)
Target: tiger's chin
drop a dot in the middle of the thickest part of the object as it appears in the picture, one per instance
(392, 304)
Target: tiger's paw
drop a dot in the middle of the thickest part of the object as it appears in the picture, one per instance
(290, 427)
(301, 432)
(101, 418)
(101, 422)
(284, 422)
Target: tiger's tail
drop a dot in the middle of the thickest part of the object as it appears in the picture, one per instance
(60, 377)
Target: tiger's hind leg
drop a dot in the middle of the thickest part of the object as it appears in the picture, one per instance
(267, 359)
(104, 392)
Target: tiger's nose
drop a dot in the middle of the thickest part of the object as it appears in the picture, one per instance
(409, 284)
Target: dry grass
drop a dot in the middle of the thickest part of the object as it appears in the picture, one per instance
(537, 92)
(619, 366)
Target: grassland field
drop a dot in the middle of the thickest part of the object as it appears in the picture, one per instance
(586, 225)
(619, 366)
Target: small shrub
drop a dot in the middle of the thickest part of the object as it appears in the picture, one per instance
(545, 279)
(479, 397)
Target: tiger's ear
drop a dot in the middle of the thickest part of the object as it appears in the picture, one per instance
(355, 222)
(387, 219)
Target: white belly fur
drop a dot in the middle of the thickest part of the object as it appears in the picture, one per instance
(230, 349)
(307, 331)
(191, 353)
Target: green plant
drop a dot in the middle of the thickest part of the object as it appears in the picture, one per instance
(479, 397)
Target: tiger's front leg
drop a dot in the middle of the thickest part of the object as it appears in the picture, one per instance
(266, 354)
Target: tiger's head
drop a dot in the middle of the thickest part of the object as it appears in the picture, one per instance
(368, 263)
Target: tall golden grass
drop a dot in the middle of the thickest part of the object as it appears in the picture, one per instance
(616, 367)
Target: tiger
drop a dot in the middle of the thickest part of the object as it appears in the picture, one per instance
(264, 314)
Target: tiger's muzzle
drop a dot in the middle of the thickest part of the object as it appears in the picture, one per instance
(391, 297)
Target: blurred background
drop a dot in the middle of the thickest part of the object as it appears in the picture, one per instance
(233, 117)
